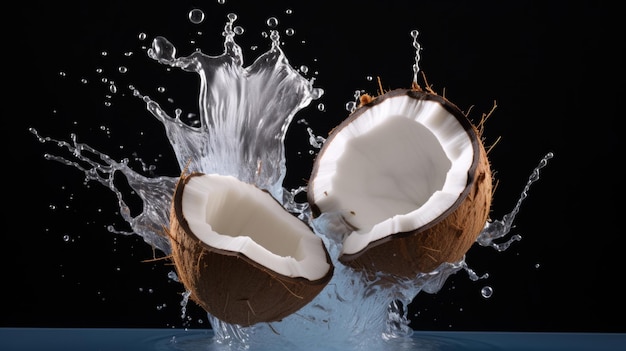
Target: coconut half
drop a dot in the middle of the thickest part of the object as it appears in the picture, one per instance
(409, 174)
(243, 257)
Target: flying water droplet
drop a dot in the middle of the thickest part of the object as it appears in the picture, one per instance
(418, 48)
(486, 292)
(162, 50)
(350, 106)
(272, 22)
(196, 16)
(238, 30)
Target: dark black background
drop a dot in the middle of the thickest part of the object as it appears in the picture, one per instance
(555, 70)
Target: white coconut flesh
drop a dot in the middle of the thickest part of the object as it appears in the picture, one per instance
(228, 214)
(395, 168)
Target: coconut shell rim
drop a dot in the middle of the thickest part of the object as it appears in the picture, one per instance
(182, 221)
(467, 125)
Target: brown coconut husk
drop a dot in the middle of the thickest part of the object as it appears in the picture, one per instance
(445, 239)
(229, 285)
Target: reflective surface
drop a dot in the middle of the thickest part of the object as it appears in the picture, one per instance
(31, 339)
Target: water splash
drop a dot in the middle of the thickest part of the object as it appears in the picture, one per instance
(244, 114)
(243, 122)
(500, 228)
(154, 192)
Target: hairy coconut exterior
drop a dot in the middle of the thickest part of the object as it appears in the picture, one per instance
(229, 285)
(449, 236)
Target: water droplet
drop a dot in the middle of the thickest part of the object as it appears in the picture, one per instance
(66, 238)
(221, 2)
(416, 68)
(317, 93)
(238, 30)
(304, 69)
(290, 31)
(289, 11)
(272, 22)
(122, 69)
(196, 16)
(172, 275)
(275, 37)
(350, 106)
(486, 292)
(162, 50)
(104, 53)
(161, 89)
(62, 74)
(321, 107)
(142, 36)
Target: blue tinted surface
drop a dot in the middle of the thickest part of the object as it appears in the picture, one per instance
(52, 339)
